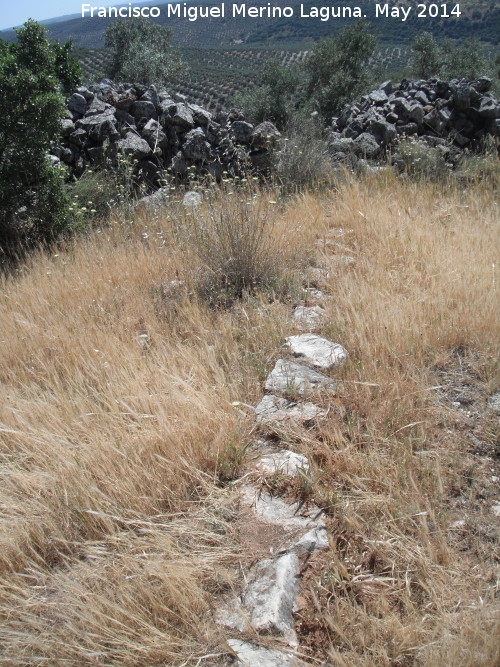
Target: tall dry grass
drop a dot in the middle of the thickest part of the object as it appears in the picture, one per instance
(117, 431)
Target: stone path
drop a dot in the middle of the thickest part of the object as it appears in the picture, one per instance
(290, 532)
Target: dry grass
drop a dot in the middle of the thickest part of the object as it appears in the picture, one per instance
(116, 533)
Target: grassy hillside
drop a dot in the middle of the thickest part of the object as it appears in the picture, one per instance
(119, 439)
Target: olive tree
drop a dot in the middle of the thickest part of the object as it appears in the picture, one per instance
(337, 68)
(141, 51)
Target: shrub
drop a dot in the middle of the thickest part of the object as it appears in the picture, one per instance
(274, 99)
(302, 160)
(239, 247)
(420, 161)
(33, 207)
(427, 57)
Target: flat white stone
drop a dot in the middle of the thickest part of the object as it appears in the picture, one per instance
(250, 655)
(273, 509)
(494, 402)
(319, 352)
(276, 409)
(292, 377)
(496, 510)
(309, 317)
(270, 595)
(284, 462)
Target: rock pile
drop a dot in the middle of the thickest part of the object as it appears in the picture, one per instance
(158, 132)
(457, 112)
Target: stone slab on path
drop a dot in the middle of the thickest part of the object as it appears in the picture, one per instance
(276, 409)
(250, 655)
(309, 317)
(275, 510)
(319, 352)
(288, 376)
(283, 461)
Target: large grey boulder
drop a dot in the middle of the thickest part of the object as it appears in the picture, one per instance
(179, 115)
(134, 146)
(99, 127)
(196, 147)
(67, 127)
(265, 134)
(317, 351)
(365, 145)
(488, 108)
(77, 103)
(143, 109)
(201, 116)
(241, 131)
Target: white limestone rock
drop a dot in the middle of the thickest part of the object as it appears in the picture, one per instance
(274, 409)
(250, 655)
(494, 402)
(317, 351)
(313, 294)
(283, 461)
(313, 540)
(191, 199)
(309, 317)
(270, 595)
(273, 509)
(292, 377)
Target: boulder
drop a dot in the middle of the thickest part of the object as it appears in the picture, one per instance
(77, 103)
(365, 145)
(196, 147)
(134, 146)
(241, 131)
(143, 109)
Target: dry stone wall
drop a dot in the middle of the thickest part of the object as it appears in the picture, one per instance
(158, 132)
(453, 114)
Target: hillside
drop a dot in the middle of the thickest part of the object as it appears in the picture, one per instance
(480, 19)
(129, 444)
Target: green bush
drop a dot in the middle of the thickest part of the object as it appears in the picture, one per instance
(141, 51)
(33, 206)
(420, 161)
(275, 98)
(301, 162)
(338, 69)
(427, 56)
